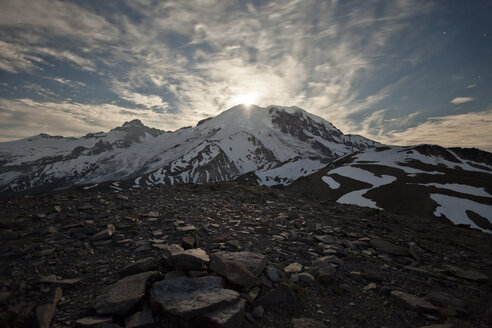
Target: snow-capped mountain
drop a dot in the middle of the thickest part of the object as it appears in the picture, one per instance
(423, 180)
(277, 144)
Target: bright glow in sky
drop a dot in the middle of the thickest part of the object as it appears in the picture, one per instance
(404, 71)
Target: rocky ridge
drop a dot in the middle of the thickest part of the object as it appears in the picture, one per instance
(233, 255)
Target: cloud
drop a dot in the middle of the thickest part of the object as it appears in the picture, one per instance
(15, 58)
(25, 117)
(471, 86)
(148, 101)
(460, 100)
(71, 83)
(463, 130)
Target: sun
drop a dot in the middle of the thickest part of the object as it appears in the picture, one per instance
(246, 99)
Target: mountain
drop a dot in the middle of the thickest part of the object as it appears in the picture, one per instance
(276, 145)
(423, 180)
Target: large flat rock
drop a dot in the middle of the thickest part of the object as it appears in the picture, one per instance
(187, 298)
(413, 302)
(121, 296)
(240, 268)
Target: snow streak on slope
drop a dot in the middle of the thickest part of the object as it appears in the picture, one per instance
(356, 197)
(455, 209)
(330, 182)
(464, 189)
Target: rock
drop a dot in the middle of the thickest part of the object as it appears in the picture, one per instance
(415, 252)
(466, 274)
(240, 268)
(444, 325)
(143, 265)
(306, 323)
(347, 244)
(280, 296)
(150, 214)
(121, 296)
(92, 321)
(229, 317)
(143, 248)
(196, 273)
(173, 275)
(413, 302)
(325, 239)
(258, 312)
(272, 274)
(141, 319)
(369, 287)
(52, 279)
(253, 294)
(373, 276)
(169, 251)
(188, 242)
(305, 278)
(45, 313)
(326, 274)
(191, 259)
(444, 299)
(4, 297)
(387, 247)
(189, 297)
(187, 228)
(105, 234)
(293, 268)
(327, 259)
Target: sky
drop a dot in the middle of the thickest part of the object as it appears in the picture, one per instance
(397, 71)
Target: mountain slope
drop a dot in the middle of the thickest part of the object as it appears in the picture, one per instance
(424, 180)
(279, 144)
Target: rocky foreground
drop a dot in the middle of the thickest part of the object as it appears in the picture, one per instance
(232, 255)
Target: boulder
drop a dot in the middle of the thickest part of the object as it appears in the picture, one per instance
(191, 259)
(121, 296)
(187, 298)
(239, 268)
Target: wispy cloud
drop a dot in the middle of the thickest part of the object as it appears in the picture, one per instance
(26, 117)
(461, 100)
(464, 130)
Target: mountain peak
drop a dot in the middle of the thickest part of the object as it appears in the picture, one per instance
(133, 123)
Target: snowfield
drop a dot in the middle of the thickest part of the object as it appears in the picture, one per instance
(455, 208)
(357, 197)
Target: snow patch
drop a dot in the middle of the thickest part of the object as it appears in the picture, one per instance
(356, 197)
(455, 208)
(330, 182)
(461, 188)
